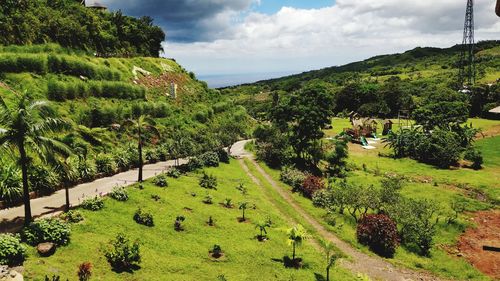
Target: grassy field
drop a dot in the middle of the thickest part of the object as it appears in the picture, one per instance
(171, 255)
(485, 181)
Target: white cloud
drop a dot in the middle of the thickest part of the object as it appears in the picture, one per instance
(301, 39)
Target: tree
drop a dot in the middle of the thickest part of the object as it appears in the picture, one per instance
(296, 235)
(302, 116)
(243, 206)
(262, 225)
(27, 126)
(331, 254)
(142, 125)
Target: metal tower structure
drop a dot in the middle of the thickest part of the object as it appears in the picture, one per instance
(467, 75)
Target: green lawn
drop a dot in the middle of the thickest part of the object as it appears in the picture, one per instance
(171, 255)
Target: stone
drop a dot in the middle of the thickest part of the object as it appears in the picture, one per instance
(46, 249)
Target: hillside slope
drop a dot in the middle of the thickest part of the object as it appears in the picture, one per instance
(414, 73)
(97, 95)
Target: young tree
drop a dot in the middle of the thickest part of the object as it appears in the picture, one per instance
(262, 225)
(331, 256)
(142, 125)
(243, 206)
(296, 235)
(27, 126)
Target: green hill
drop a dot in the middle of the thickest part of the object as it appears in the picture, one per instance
(383, 85)
(97, 95)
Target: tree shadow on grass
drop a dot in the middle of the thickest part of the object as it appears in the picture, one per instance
(319, 277)
(130, 269)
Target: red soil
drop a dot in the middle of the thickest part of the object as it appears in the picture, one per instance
(487, 233)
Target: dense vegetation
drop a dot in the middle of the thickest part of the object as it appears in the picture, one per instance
(72, 25)
(383, 86)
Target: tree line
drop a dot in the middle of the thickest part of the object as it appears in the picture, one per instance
(72, 25)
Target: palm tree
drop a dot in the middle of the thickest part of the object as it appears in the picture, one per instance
(296, 235)
(26, 126)
(262, 225)
(331, 256)
(141, 125)
(243, 206)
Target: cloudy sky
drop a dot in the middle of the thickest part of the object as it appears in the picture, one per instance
(273, 37)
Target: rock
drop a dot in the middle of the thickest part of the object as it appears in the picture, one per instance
(7, 274)
(46, 249)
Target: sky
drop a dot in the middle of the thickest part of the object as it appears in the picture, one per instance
(269, 38)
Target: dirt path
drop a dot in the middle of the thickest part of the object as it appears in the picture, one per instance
(376, 268)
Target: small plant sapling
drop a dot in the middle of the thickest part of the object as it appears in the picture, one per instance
(178, 223)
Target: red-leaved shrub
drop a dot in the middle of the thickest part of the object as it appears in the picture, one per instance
(380, 233)
(84, 271)
(311, 184)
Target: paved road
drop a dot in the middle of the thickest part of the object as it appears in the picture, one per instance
(10, 218)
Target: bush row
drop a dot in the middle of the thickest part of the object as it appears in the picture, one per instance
(56, 64)
(61, 91)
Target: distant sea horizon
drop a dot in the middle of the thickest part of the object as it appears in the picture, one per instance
(226, 80)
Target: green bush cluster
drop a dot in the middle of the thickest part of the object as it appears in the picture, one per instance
(121, 254)
(10, 183)
(72, 216)
(93, 204)
(47, 230)
(12, 252)
(209, 159)
(174, 173)
(105, 164)
(143, 218)
(208, 181)
(161, 181)
(292, 177)
(61, 91)
(119, 194)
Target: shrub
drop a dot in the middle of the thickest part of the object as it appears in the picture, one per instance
(208, 181)
(311, 185)
(475, 157)
(151, 156)
(216, 251)
(119, 194)
(228, 203)
(161, 181)
(380, 233)
(194, 164)
(93, 204)
(143, 218)
(156, 197)
(84, 271)
(12, 252)
(47, 230)
(43, 179)
(178, 223)
(223, 155)
(105, 164)
(86, 170)
(174, 173)
(208, 199)
(292, 177)
(72, 216)
(210, 159)
(417, 225)
(121, 254)
(10, 183)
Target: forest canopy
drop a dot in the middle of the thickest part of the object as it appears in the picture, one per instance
(72, 25)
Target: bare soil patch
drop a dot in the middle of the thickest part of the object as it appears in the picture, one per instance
(487, 233)
(490, 132)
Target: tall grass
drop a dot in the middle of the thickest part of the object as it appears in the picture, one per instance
(61, 91)
(77, 67)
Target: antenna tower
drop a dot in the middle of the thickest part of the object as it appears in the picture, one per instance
(467, 75)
